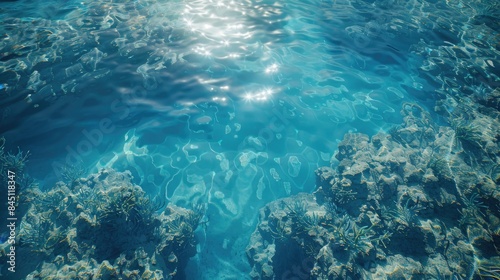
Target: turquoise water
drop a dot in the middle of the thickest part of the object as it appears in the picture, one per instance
(233, 104)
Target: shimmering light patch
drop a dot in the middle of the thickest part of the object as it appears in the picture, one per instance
(217, 23)
(272, 69)
(261, 95)
(202, 51)
(219, 98)
(188, 133)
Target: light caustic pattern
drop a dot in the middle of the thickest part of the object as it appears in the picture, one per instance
(261, 133)
(241, 100)
(274, 91)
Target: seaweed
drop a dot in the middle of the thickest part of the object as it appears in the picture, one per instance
(70, 173)
(310, 221)
(297, 209)
(126, 211)
(36, 234)
(440, 167)
(180, 227)
(488, 269)
(471, 210)
(474, 204)
(467, 133)
(354, 238)
(382, 239)
(26, 181)
(406, 214)
(439, 276)
(279, 231)
(358, 240)
(12, 161)
(467, 217)
(494, 173)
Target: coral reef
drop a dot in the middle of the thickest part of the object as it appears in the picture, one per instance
(407, 204)
(103, 227)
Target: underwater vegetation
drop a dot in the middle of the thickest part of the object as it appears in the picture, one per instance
(13, 161)
(407, 210)
(489, 269)
(494, 173)
(103, 227)
(467, 133)
(471, 210)
(389, 209)
(358, 239)
(420, 201)
(406, 214)
(70, 173)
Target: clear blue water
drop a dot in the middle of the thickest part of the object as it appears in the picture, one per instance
(230, 103)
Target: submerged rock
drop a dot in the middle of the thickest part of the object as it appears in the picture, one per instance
(104, 227)
(396, 206)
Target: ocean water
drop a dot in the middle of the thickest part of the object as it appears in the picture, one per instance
(235, 104)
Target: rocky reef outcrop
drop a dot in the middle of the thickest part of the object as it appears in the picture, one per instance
(420, 201)
(102, 227)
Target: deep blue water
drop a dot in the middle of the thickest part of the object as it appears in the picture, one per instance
(229, 103)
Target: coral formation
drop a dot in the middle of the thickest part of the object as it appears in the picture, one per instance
(398, 205)
(103, 227)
